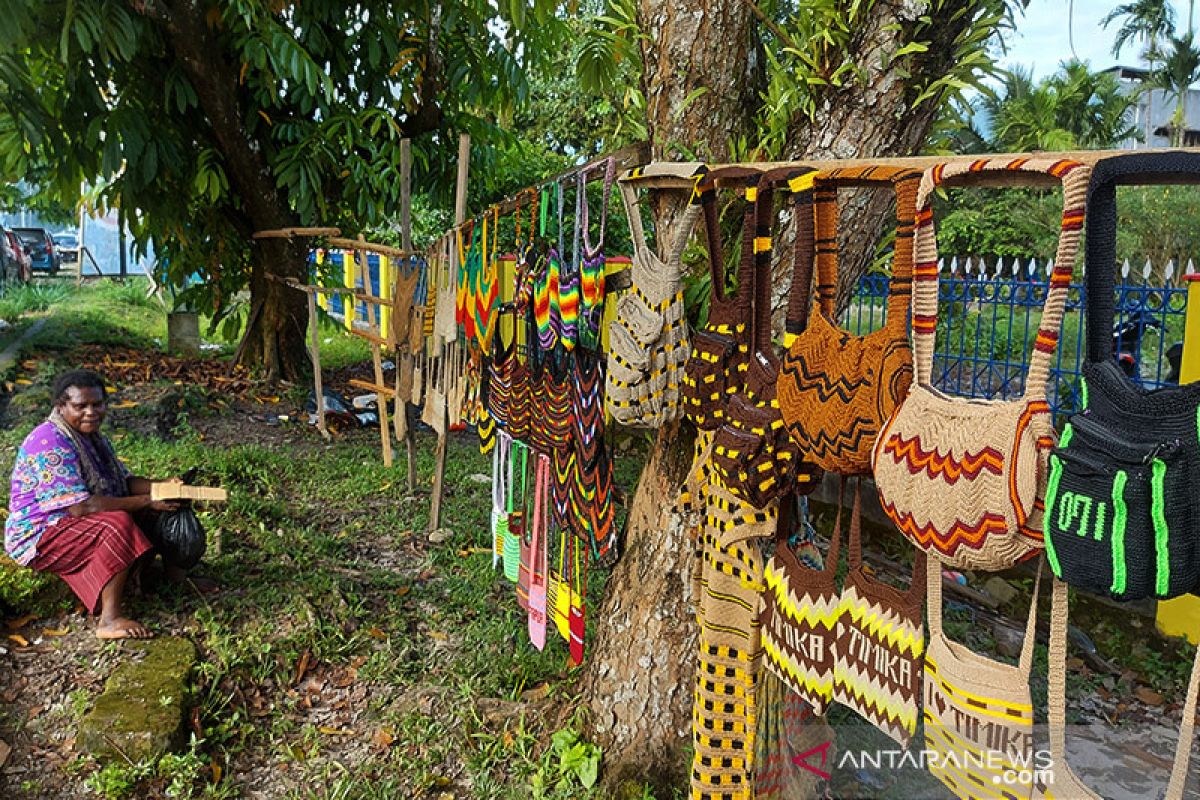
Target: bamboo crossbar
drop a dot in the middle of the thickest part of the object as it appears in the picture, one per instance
(913, 162)
(289, 233)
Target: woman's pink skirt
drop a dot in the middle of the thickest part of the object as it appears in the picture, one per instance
(88, 551)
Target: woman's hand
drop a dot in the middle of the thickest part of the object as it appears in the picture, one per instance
(163, 505)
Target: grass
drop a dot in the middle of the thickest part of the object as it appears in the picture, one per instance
(323, 558)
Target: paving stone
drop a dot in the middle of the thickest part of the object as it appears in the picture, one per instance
(140, 714)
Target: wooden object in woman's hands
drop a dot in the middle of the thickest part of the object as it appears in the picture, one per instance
(171, 490)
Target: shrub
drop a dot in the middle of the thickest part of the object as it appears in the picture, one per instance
(24, 298)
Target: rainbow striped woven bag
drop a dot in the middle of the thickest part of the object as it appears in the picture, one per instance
(963, 479)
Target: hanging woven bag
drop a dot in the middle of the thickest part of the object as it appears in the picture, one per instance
(799, 616)
(1123, 494)
(879, 642)
(592, 261)
(978, 711)
(963, 478)
(753, 454)
(719, 348)
(837, 389)
(648, 336)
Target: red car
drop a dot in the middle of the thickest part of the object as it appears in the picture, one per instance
(16, 250)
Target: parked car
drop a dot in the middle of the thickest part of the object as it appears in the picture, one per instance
(67, 244)
(20, 252)
(41, 248)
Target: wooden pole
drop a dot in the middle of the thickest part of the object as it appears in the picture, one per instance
(314, 353)
(404, 358)
(460, 214)
(385, 433)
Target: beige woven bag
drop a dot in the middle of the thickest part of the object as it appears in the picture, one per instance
(963, 479)
(1060, 782)
(978, 712)
(445, 329)
(648, 339)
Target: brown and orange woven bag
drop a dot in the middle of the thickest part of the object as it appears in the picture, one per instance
(837, 389)
(963, 479)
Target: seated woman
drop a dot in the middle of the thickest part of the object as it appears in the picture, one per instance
(72, 505)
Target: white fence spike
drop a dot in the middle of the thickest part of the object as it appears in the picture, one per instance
(1191, 268)
(1169, 272)
(1050, 266)
(1032, 267)
(967, 266)
(1125, 269)
(999, 266)
(1147, 269)
(941, 265)
(953, 264)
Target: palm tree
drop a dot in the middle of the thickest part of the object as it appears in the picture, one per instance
(1151, 21)
(1073, 109)
(1180, 69)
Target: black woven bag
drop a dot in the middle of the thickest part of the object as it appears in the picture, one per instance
(1123, 489)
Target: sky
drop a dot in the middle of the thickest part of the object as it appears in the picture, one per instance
(1040, 40)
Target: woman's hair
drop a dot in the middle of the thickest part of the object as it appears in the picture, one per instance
(79, 379)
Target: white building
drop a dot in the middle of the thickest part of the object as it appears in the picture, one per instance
(1159, 107)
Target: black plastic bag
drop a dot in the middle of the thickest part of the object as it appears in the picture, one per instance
(181, 537)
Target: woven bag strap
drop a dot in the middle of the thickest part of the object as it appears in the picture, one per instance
(533, 209)
(610, 172)
(904, 182)
(1187, 732)
(1057, 696)
(917, 590)
(934, 585)
(800, 184)
(1101, 241)
(694, 172)
(747, 179)
(1019, 172)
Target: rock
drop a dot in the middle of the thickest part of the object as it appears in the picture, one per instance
(441, 535)
(140, 714)
(1000, 589)
(1008, 639)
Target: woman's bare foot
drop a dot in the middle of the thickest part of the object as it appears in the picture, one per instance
(122, 628)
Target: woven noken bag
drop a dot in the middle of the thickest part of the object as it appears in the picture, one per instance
(591, 263)
(879, 642)
(720, 347)
(753, 453)
(978, 711)
(836, 390)
(1121, 498)
(647, 339)
(445, 327)
(963, 478)
(1063, 783)
(800, 610)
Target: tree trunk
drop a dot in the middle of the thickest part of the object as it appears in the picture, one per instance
(700, 92)
(638, 678)
(274, 337)
(275, 330)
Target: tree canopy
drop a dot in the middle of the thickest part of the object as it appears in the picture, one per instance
(207, 121)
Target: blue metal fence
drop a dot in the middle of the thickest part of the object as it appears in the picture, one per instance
(989, 311)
